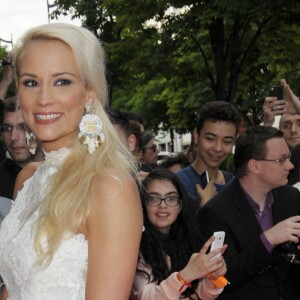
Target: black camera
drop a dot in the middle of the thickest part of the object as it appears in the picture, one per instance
(5, 62)
(276, 91)
(290, 252)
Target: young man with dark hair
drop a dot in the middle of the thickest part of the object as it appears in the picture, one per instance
(216, 130)
(14, 138)
(149, 152)
(260, 215)
(122, 126)
(128, 131)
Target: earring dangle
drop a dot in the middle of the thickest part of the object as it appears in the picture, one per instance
(90, 130)
(30, 141)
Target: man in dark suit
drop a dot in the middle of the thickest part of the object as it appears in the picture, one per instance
(18, 154)
(259, 213)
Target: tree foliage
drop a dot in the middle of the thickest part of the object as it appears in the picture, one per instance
(167, 58)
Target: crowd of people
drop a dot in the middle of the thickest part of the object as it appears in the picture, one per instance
(86, 211)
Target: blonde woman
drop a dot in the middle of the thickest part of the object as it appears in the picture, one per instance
(75, 227)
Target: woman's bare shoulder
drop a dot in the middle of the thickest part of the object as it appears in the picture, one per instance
(113, 184)
(25, 174)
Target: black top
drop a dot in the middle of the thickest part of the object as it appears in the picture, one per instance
(2, 151)
(8, 173)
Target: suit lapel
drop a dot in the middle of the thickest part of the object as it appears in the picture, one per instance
(280, 209)
(243, 210)
(277, 209)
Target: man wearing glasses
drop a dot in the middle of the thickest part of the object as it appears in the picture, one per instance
(149, 152)
(14, 138)
(260, 215)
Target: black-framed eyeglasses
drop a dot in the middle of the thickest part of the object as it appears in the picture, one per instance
(155, 200)
(7, 129)
(153, 148)
(280, 161)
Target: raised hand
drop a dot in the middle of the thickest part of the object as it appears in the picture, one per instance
(273, 107)
(293, 103)
(201, 264)
(287, 230)
(207, 193)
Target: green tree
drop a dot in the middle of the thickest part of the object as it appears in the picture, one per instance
(167, 58)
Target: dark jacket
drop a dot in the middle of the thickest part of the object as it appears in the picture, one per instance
(254, 273)
(8, 173)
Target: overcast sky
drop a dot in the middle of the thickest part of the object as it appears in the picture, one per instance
(16, 16)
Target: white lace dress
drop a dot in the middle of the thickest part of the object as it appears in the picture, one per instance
(65, 276)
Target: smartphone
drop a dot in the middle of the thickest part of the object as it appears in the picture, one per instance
(204, 179)
(276, 91)
(218, 242)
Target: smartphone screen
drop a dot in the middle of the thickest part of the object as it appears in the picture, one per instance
(204, 179)
(218, 242)
(276, 91)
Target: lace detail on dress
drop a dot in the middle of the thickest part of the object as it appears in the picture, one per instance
(65, 276)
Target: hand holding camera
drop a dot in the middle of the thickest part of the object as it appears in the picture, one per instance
(274, 105)
(206, 188)
(290, 252)
(207, 263)
(286, 234)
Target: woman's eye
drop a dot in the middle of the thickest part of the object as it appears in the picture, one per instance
(63, 82)
(30, 83)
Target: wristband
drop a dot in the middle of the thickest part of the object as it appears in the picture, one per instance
(183, 282)
(220, 282)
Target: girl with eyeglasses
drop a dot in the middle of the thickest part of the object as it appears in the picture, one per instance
(170, 264)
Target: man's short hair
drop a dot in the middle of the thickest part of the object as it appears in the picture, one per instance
(282, 118)
(180, 159)
(118, 117)
(10, 104)
(132, 116)
(252, 145)
(147, 137)
(218, 111)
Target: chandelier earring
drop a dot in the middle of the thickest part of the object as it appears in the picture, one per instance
(90, 130)
(30, 141)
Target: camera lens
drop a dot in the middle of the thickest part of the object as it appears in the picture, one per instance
(292, 258)
(4, 63)
(290, 252)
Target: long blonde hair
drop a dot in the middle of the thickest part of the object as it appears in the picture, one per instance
(66, 204)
